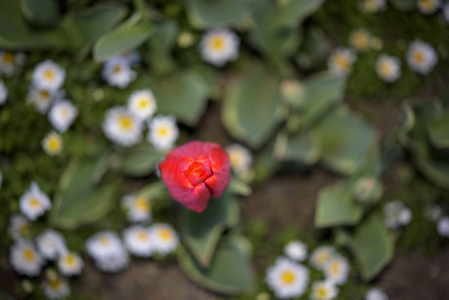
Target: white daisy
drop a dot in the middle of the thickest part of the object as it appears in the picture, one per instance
(428, 7)
(360, 39)
(340, 61)
(108, 251)
(446, 12)
(163, 132)
(164, 238)
(122, 127)
(388, 68)
(10, 62)
(33, 203)
(51, 244)
(337, 270)
(48, 75)
(323, 290)
(3, 92)
(367, 189)
(56, 288)
(219, 46)
(287, 279)
(62, 115)
(375, 294)
(70, 263)
(117, 72)
(142, 103)
(372, 6)
(42, 98)
(19, 227)
(322, 256)
(139, 208)
(443, 226)
(421, 57)
(240, 158)
(396, 214)
(25, 259)
(296, 251)
(138, 241)
(132, 57)
(52, 143)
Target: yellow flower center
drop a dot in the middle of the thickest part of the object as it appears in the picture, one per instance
(163, 131)
(361, 40)
(70, 260)
(34, 202)
(117, 69)
(217, 43)
(49, 74)
(53, 143)
(335, 268)
(8, 57)
(427, 4)
(322, 293)
(323, 256)
(142, 204)
(104, 241)
(236, 157)
(371, 5)
(126, 123)
(64, 113)
(165, 234)
(419, 57)
(54, 284)
(28, 254)
(142, 236)
(288, 277)
(44, 94)
(342, 62)
(386, 70)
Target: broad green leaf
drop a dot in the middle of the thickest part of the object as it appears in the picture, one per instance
(202, 231)
(40, 12)
(204, 14)
(300, 147)
(230, 271)
(373, 246)
(124, 38)
(346, 141)
(250, 106)
(292, 12)
(239, 187)
(183, 94)
(140, 160)
(336, 207)
(86, 24)
(321, 92)
(154, 190)
(438, 130)
(16, 34)
(435, 170)
(161, 45)
(80, 199)
(313, 49)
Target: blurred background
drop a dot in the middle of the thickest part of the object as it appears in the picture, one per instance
(334, 115)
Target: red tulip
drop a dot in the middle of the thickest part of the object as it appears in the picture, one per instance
(195, 172)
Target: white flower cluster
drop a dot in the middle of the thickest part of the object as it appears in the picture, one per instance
(397, 214)
(125, 125)
(117, 70)
(442, 221)
(289, 277)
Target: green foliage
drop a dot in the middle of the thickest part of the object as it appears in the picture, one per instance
(40, 12)
(140, 160)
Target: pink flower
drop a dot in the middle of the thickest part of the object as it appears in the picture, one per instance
(195, 172)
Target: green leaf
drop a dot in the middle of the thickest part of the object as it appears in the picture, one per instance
(183, 94)
(86, 24)
(300, 147)
(404, 5)
(239, 187)
(373, 246)
(124, 38)
(16, 34)
(161, 45)
(336, 207)
(438, 130)
(42, 13)
(435, 170)
(250, 106)
(80, 199)
(230, 271)
(202, 231)
(203, 14)
(322, 92)
(346, 141)
(140, 160)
